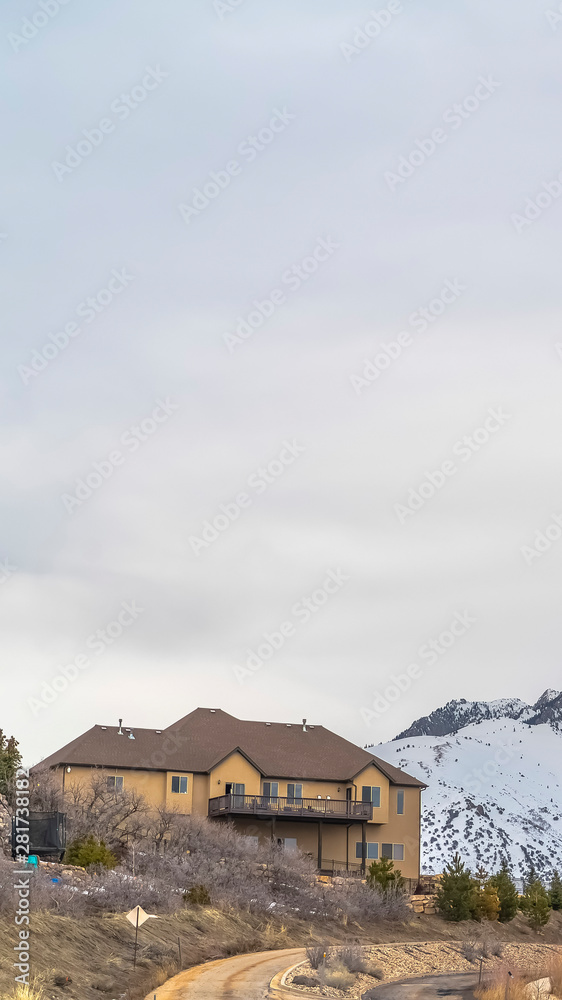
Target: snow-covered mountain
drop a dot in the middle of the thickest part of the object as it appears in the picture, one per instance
(494, 784)
(457, 714)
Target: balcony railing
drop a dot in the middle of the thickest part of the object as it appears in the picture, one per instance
(270, 806)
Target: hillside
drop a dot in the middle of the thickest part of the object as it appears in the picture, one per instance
(494, 786)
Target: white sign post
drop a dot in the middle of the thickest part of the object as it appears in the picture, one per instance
(137, 917)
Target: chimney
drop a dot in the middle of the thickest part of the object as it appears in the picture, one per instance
(304, 725)
(120, 731)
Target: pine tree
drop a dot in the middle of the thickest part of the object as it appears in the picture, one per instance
(456, 891)
(556, 891)
(10, 760)
(507, 894)
(484, 899)
(89, 851)
(381, 874)
(535, 903)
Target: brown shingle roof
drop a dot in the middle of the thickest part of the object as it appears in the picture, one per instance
(201, 739)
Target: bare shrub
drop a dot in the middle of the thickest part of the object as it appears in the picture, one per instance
(352, 956)
(491, 948)
(317, 955)
(471, 950)
(336, 976)
(361, 902)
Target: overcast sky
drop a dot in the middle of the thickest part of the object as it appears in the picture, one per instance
(346, 178)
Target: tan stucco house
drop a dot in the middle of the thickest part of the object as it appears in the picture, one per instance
(299, 784)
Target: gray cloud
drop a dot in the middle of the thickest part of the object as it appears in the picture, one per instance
(333, 508)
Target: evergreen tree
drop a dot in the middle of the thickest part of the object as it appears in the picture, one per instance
(531, 875)
(485, 903)
(535, 903)
(455, 898)
(381, 874)
(10, 760)
(89, 851)
(556, 892)
(507, 894)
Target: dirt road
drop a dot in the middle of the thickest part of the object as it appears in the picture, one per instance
(244, 977)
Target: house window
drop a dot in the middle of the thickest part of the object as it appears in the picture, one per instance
(179, 784)
(393, 851)
(115, 783)
(294, 792)
(400, 802)
(290, 843)
(372, 794)
(371, 851)
(271, 789)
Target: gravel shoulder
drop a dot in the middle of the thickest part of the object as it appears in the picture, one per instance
(405, 961)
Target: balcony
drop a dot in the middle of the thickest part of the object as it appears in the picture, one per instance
(267, 807)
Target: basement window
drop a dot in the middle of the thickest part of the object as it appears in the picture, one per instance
(372, 851)
(179, 784)
(393, 851)
(115, 783)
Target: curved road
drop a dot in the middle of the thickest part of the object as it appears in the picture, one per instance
(244, 977)
(247, 977)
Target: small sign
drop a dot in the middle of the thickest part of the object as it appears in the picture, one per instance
(137, 916)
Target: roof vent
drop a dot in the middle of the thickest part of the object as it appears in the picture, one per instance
(130, 736)
(213, 710)
(103, 727)
(159, 731)
(288, 724)
(120, 731)
(304, 725)
(268, 723)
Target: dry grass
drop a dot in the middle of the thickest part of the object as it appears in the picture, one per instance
(337, 976)
(554, 970)
(502, 986)
(22, 991)
(505, 987)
